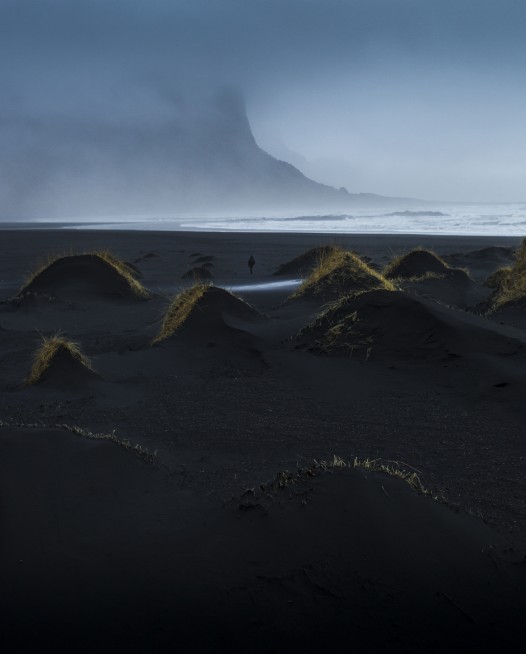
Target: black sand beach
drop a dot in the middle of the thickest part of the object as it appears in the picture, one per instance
(205, 521)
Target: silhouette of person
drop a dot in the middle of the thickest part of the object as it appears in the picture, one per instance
(251, 264)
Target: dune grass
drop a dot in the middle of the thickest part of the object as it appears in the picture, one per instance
(396, 469)
(510, 281)
(496, 279)
(136, 449)
(399, 260)
(127, 273)
(49, 349)
(338, 327)
(179, 310)
(306, 260)
(124, 270)
(338, 267)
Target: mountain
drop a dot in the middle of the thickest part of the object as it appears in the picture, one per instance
(202, 157)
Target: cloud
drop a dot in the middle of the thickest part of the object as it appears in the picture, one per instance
(386, 95)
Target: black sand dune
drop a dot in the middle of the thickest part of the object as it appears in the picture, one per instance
(394, 324)
(495, 252)
(214, 313)
(144, 257)
(425, 273)
(416, 264)
(455, 288)
(298, 567)
(482, 262)
(66, 371)
(199, 274)
(81, 275)
(301, 265)
(341, 273)
(209, 259)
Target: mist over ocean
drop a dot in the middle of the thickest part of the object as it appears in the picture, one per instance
(441, 219)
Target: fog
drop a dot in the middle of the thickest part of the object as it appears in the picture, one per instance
(112, 107)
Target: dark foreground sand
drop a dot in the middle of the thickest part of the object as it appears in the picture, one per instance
(104, 549)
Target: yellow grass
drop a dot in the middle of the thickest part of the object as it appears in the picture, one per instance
(105, 255)
(45, 354)
(496, 279)
(511, 281)
(179, 310)
(338, 266)
(124, 270)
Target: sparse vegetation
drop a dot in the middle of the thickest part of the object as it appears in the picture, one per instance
(496, 279)
(391, 468)
(124, 271)
(50, 348)
(338, 328)
(510, 281)
(138, 450)
(179, 310)
(422, 278)
(339, 271)
(306, 261)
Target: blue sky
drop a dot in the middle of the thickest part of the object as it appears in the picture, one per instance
(422, 98)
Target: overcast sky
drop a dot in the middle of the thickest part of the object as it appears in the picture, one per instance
(421, 98)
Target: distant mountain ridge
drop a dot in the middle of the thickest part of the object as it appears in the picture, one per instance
(203, 158)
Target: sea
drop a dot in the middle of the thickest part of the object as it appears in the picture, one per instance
(439, 219)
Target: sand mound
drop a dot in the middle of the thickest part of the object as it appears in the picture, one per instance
(96, 274)
(492, 253)
(295, 565)
(205, 260)
(416, 264)
(198, 274)
(304, 263)
(204, 310)
(59, 362)
(455, 288)
(340, 273)
(394, 324)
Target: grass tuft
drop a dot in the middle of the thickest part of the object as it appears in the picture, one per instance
(136, 449)
(124, 270)
(395, 469)
(510, 281)
(179, 310)
(49, 349)
(339, 268)
(338, 328)
(496, 279)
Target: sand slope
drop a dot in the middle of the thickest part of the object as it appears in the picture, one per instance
(395, 324)
(137, 564)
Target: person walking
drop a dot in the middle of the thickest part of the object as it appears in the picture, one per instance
(251, 264)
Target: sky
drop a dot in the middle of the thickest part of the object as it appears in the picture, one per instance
(417, 98)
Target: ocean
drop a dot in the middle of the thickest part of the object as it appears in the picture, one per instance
(446, 219)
